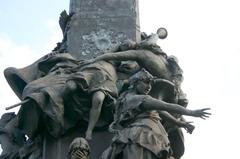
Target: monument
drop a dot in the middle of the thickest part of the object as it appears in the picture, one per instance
(107, 91)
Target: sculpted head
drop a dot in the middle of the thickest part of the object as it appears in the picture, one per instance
(79, 149)
(141, 82)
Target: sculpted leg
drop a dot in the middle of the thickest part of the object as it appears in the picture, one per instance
(97, 101)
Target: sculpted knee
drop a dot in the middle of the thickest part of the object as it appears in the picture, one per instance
(98, 98)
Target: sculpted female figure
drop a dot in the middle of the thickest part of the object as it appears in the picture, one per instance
(140, 133)
(70, 91)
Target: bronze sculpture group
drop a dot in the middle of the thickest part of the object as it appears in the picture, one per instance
(105, 88)
(134, 92)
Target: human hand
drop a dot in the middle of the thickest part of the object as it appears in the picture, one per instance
(112, 128)
(188, 127)
(79, 154)
(201, 113)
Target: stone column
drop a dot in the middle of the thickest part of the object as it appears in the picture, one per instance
(74, 6)
(99, 26)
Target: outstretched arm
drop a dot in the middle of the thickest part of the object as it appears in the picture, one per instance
(132, 55)
(154, 104)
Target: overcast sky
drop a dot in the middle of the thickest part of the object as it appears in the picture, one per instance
(203, 34)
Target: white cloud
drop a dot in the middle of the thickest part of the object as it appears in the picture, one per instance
(52, 24)
(13, 54)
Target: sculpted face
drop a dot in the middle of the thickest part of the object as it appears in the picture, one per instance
(79, 149)
(143, 87)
